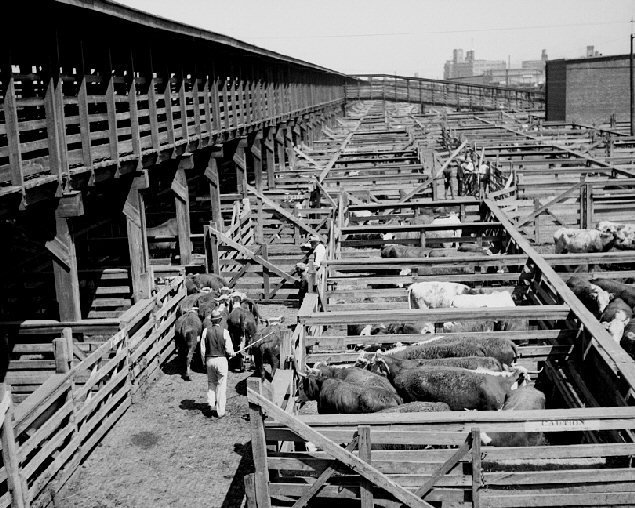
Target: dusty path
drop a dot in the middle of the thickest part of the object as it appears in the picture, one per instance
(168, 451)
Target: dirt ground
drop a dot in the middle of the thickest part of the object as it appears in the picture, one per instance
(168, 450)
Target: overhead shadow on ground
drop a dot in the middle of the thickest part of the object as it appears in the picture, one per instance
(236, 491)
(191, 405)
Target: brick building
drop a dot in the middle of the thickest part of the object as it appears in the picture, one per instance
(588, 90)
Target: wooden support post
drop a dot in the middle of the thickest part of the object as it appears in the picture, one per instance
(240, 162)
(182, 206)
(476, 468)
(365, 491)
(134, 210)
(259, 447)
(63, 355)
(537, 220)
(250, 491)
(213, 177)
(266, 285)
(212, 259)
(270, 157)
(65, 258)
(279, 141)
(11, 458)
(289, 144)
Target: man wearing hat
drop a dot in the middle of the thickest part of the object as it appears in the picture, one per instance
(216, 344)
(318, 250)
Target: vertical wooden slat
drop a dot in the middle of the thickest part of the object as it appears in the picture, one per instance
(216, 121)
(10, 457)
(167, 100)
(207, 106)
(11, 127)
(84, 119)
(226, 102)
(152, 104)
(111, 111)
(197, 107)
(134, 113)
(476, 468)
(365, 492)
(183, 107)
(259, 448)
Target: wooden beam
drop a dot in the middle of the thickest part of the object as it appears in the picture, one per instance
(298, 222)
(140, 274)
(611, 352)
(65, 272)
(213, 178)
(419, 188)
(546, 206)
(543, 312)
(246, 252)
(323, 478)
(347, 458)
(444, 468)
(270, 156)
(240, 161)
(182, 206)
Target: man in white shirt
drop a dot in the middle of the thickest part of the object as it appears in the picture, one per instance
(216, 344)
(318, 249)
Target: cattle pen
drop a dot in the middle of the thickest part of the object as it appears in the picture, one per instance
(125, 168)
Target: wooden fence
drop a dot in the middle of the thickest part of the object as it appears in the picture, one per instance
(49, 434)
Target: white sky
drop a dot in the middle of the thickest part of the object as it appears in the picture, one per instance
(408, 36)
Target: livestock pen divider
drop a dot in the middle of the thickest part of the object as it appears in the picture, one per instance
(47, 436)
(452, 469)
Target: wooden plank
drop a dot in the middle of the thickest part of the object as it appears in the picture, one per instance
(15, 480)
(259, 445)
(346, 457)
(295, 220)
(546, 312)
(612, 353)
(182, 206)
(444, 469)
(419, 188)
(323, 478)
(365, 454)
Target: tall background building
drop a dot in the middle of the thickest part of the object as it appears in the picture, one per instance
(468, 69)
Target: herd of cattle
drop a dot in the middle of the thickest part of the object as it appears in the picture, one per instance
(456, 373)
(208, 292)
(612, 301)
(435, 375)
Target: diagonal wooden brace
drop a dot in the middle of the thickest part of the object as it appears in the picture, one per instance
(246, 252)
(180, 191)
(323, 478)
(298, 222)
(364, 469)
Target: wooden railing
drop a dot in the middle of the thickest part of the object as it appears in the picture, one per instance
(441, 92)
(76, 102)
(49, 434)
